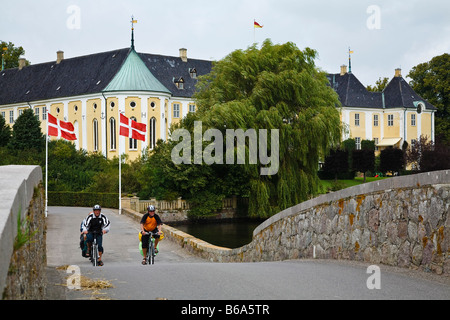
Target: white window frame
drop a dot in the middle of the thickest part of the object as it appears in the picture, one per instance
(357, 119)
(176, 110)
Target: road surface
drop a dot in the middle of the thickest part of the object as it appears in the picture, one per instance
(178, 275)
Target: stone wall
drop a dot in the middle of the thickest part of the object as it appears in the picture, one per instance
(23, 252)
(401, 221)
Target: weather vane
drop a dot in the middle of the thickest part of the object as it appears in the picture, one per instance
(132, 31)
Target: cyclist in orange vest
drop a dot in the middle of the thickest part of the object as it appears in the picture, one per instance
(150, 222)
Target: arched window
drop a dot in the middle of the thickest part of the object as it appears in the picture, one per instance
(95, 134)
(152, 132)
(133, 142)
(112, 128)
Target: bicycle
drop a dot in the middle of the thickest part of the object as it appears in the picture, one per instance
(94, 250)
(150, 258)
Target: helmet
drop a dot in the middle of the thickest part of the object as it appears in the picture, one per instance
(151, 208)
(97, 207)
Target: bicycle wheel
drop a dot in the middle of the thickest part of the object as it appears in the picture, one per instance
(94, 254)
(152, 252)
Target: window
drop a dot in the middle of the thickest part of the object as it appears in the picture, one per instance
(132, 104)
(357, 119)
(133, 142)
(375, 120)
(11, 116)
(413, 120)
(44, 113)
(179, 82)
(36, 112)
(176, 110)
(112, 126)
(192, 108)
(193, 73)
(152, 132)
(3, 115)
(376, 142)
(390, 120)
(95, 134)
(358, 143)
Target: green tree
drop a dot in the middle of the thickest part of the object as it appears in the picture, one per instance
(11, 55)
(431, 80)
(27, 133)
(336, 163)
(391, 160)
(5, 132)
(379, 86)
(276, 87)
(364, 159)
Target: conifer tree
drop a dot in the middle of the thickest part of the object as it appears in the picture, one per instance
(27, 133)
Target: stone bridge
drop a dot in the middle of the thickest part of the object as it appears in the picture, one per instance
(401, 221)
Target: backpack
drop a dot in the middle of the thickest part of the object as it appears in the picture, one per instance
(83, 246)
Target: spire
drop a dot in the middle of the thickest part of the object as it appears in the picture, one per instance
(132, 31)
(349, 60)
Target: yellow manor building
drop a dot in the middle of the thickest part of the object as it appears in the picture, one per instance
(91, 91)
(391, 117)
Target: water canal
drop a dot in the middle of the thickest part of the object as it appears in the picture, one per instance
(230, 234)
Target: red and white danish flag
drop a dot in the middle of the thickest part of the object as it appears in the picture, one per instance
(132, 129)
(60, 129)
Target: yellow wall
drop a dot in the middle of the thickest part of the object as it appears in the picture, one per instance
(154, 112)
(426, 125)
(358, 131)
(74, 114)
(91, 114)
(394, 131)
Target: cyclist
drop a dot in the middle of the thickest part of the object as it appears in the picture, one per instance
(150, 222)
(95, 222)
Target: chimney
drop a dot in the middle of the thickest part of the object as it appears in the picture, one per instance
(398, 72)
(183, 54)
(59, 56)
(343, 69)
(22, 63)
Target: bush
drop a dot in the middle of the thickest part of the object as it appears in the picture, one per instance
(83, 199)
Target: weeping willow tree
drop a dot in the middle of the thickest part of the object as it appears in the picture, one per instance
(275, 87)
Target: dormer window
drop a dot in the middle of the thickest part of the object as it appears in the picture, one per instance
(193, 73)
(179, 82)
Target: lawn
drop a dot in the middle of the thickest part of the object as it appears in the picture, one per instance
(331, 185)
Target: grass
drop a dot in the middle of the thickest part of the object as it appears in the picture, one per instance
(331, 185)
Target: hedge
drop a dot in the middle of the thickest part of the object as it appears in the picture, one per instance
(83, 199)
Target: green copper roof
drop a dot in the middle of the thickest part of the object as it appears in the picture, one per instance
(135, 76)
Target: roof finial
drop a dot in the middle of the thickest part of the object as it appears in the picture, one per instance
(349, 60)
(132, 31)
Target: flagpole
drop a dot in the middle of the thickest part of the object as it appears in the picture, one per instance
(46, 169)
(254, 32)
(120, 174)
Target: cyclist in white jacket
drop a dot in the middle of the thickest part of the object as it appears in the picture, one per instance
(96, 224)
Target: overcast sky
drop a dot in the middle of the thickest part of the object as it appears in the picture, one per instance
(384, 35)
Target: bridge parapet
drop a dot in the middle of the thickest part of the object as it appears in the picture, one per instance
(401, 221)
(22, 259)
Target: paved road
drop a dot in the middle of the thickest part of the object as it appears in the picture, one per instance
(180, 276)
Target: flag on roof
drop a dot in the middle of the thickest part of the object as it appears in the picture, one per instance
(257, 25)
